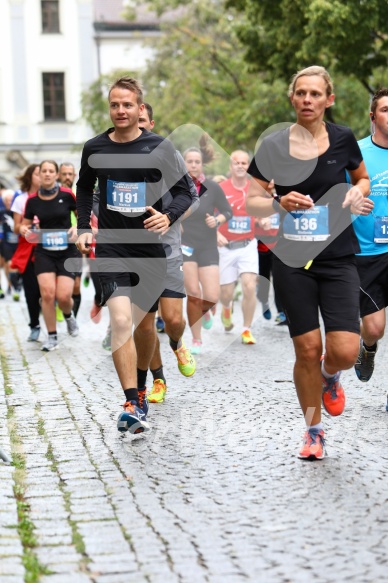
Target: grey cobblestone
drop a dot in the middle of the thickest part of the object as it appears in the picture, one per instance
(214, 493)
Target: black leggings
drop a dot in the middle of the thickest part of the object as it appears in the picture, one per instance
(265, 271)
(32, 293)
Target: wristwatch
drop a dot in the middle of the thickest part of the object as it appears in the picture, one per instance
(276, 198)
(171, 217)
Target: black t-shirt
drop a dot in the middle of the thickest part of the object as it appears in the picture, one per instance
(324, 177)
(196, 233)
(53, 214)
(130, 176)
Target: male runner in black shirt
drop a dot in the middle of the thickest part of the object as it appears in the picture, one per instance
(133, 168)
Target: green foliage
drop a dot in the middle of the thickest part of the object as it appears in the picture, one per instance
(94, 101)
(347, 37)
(225, 65)
(199, 76)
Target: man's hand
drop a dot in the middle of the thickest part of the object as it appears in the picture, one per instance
(84, 243)
(157, 222)
(221, 240)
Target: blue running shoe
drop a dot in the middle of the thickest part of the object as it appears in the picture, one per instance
(159, 324)
(267, 312)
(281, 319)
(132, 419)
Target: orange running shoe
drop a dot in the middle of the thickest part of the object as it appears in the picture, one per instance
(333, 395)
(313, 447)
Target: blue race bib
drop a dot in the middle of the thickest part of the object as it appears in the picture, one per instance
(307, 225)
(188, 251)
(381, 230)
(55, 241)
(239, 225)
(126, 197)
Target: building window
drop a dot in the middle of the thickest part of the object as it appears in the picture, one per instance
(50, 16)
(54, 96)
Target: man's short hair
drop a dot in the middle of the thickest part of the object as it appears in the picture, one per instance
(131, 85)
(383, 92)
(150, 111)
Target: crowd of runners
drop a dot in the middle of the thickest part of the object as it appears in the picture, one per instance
(308, 210)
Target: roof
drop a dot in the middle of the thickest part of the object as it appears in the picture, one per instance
(110, 13)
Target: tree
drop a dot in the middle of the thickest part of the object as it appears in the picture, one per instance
(94, 101)
(348, 37)
(199, 76)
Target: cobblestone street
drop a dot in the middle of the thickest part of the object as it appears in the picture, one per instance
(214, 493)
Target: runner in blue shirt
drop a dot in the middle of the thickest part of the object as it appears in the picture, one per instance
(372, 233)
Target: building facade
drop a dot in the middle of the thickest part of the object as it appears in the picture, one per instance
(51, 50)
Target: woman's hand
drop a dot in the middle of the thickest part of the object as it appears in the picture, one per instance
(356, 200)
(295, 201)
(72, 234)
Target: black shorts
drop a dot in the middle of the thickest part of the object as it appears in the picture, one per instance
(204, 257)
(174, 285)
(137, 272)
(331, 287)
(54, 261)
(9, 250)
(373, 272)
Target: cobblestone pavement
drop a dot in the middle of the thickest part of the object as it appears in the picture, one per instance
(214, 493)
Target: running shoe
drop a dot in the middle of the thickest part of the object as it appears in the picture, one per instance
(132, 419)
(281, 319)
(186, 362)
(51, 344)
(143, 400)
(158, 391)
(313, 447)
(34, 334)
(107, 342)
(59, 314)
(365, 363)
(72, 326)
(196, 346)
(96, 313)
(2, 294)
(247, 338)
(207, 320)
(267, 312)
(226, 318)
(16, 296)
(333, 395)
(159, 324)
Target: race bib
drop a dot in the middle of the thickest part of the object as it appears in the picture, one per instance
(239, 225)
(126, 197)
(307, 225)
(381, 230)
(55, 241)
(274, 221)
(11, 237)
(188, 251)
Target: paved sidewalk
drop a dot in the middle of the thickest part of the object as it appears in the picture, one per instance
(213, 494)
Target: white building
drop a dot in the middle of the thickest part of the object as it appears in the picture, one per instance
(51, 50)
